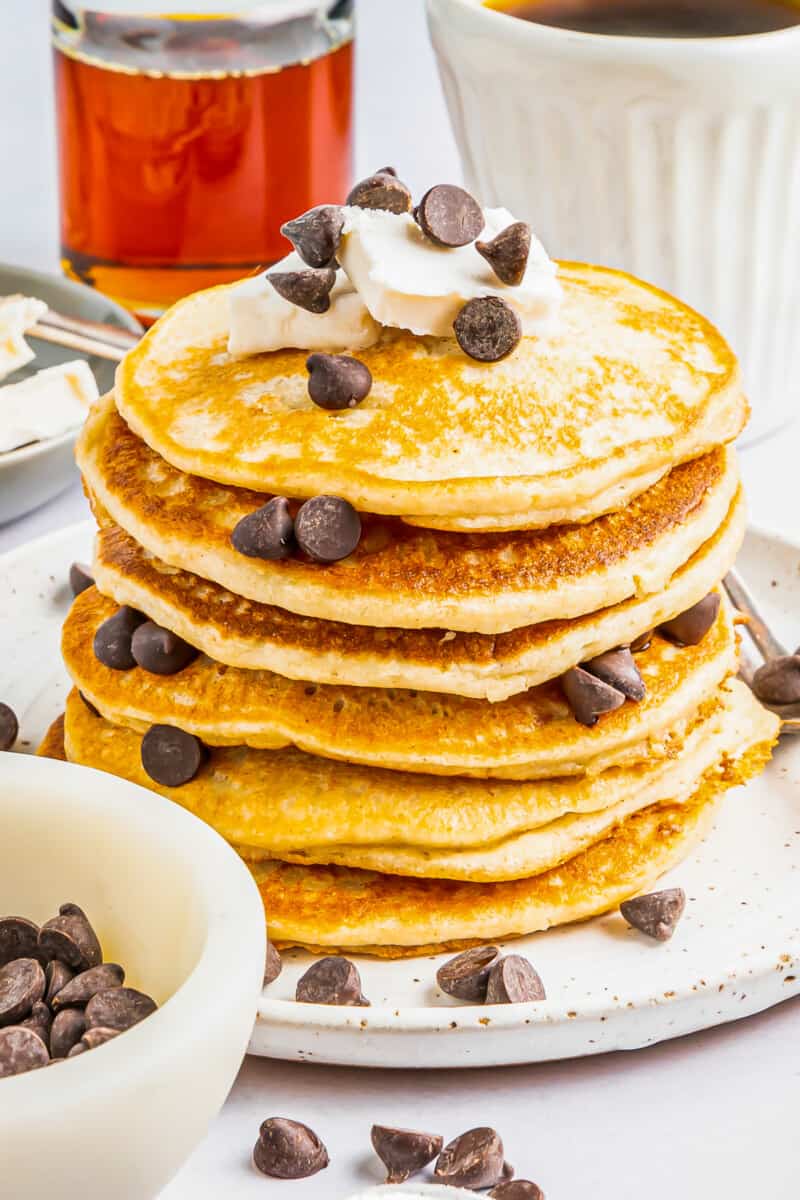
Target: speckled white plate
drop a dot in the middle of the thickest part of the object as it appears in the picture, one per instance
(736, 951)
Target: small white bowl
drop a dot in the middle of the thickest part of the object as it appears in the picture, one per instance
(34, 474)
(173, 903)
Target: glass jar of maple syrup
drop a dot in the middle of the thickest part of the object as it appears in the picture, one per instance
(187, 138)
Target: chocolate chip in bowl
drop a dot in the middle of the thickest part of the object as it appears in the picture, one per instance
(107, 1001)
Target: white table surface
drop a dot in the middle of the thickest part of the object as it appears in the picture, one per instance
(712, 1115)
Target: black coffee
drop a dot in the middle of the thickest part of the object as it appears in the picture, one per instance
(658, 18)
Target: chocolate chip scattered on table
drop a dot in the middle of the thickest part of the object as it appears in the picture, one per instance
(404, 1152)
(58, 999)
(9, 727)
(475, 1159)
(288, 1149)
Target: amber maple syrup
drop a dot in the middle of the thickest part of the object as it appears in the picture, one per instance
(186, 141)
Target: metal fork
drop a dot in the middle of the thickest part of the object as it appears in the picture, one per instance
(762, 639)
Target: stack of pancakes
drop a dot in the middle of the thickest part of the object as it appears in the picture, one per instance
(391, 740)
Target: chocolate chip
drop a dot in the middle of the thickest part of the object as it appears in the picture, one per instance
(98, 1035)
(266, 533)
(642, 642)
(9, 727)
(77, 1049)
(327, 528)
(690, 627)
(316, 234)
(513, 980)
(91, 707)
(170, 756)
(80, 578)
(161, 651)
(404, 1152)
(507, 254)
(589, 697)
(655, 914)
(21, 1050)
(382, 190)
(487, 329)
(337, 381)
(386, 171)
(18, 939)
(70, 937)
(473, 1160)
(39, 1021)
(778, 681)
(273, 965)
(112, 641)
(332, 980)
(309, 289)
(288, 1150)
(79, 990)
(449, 216)
(617, 668)
(118, 1008)
(22, 983)
(66, 1031)
(466, 976)
(517, 1189)
(57, 975)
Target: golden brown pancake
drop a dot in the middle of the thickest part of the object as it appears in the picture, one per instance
(532, 735)
(243, 633)
(632, 383)
(399, 575)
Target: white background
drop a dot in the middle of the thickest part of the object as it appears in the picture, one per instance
(711, 1116)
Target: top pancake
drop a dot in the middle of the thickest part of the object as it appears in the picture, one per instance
(565, 428)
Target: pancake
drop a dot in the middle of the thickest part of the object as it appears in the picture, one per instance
(52, 745)
(532, 735)
(632, 383)
(295, 807)
(399, 575)
(242, 633)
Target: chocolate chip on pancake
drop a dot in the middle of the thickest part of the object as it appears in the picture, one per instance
(21, 1050)
(690, 627)
(449, 216)
(473, 1160)
(316, 234)
(655, 914)
(778, 681)
(80, 578)
(513, 980)
(267, 533)
(112, 641)
(91, 707)
(382, 190)
(170, 756)
(18, 939)
(642, 642)
(67, 1029)
(617, 668)
(161, 651)
(9, 727)
(487, 329)
(22, 983)
(273, 964)
(404, 1152)
(119, 1008)
(517, 1189)
(309, 289)
(467, 975)
(70, 938)
(588, 696)
(331, 980)
(288, 1150)
(327, 528)
(337, 381)
(507, 254)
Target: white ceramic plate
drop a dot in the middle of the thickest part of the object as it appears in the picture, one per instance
(736, 951)
(34, 474)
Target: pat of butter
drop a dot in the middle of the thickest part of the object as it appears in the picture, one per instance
(50, 403)
(408, 282)
(261, 320)
(17, 315)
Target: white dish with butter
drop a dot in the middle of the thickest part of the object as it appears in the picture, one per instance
(171, 901)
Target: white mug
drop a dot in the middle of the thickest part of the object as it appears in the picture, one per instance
(675, 159)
